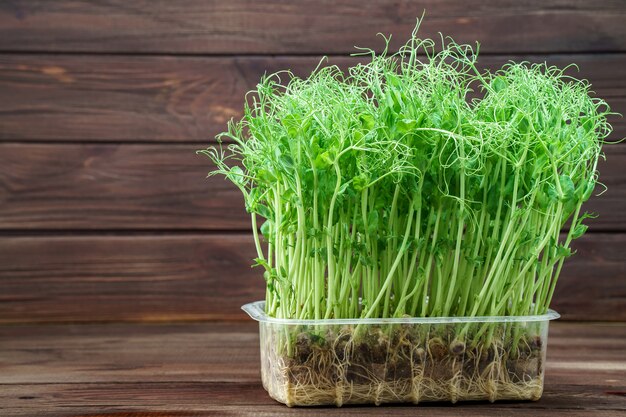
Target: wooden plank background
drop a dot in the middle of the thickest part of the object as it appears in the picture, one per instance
(105, 213)
(188, 99)
(305, 27)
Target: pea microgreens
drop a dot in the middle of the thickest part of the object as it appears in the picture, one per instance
(387, 192)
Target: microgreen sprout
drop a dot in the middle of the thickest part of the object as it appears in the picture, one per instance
(385, 191)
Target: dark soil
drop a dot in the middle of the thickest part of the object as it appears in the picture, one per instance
(396, 355)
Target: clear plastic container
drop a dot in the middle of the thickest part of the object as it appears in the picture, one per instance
(376, 361)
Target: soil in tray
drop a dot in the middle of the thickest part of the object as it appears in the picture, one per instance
(403, 364)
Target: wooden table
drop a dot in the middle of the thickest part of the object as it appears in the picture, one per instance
(206, 369)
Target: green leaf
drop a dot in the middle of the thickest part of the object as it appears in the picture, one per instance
(267, 228)
(591, 185)
(261, 262)
(499, 83)
(579, 230)
(265, 175)
(323, 160)
(283, 272)
(343, 188)
(367, 121)
(553, 195)
(236, 175)
(567, 187)
(360, 182)
(563, 251)
(405, 125)
(263, 211)
(287, 162)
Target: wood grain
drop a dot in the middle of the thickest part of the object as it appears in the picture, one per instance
(163, 187)
(213, 369)
(152, 98)
(148, 399)
(198, 277)
(305, 27)
(138, 278)
(97, 187)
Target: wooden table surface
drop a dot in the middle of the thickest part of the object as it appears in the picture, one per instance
(206, 369)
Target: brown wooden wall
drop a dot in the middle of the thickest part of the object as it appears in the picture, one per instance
(105, 214)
